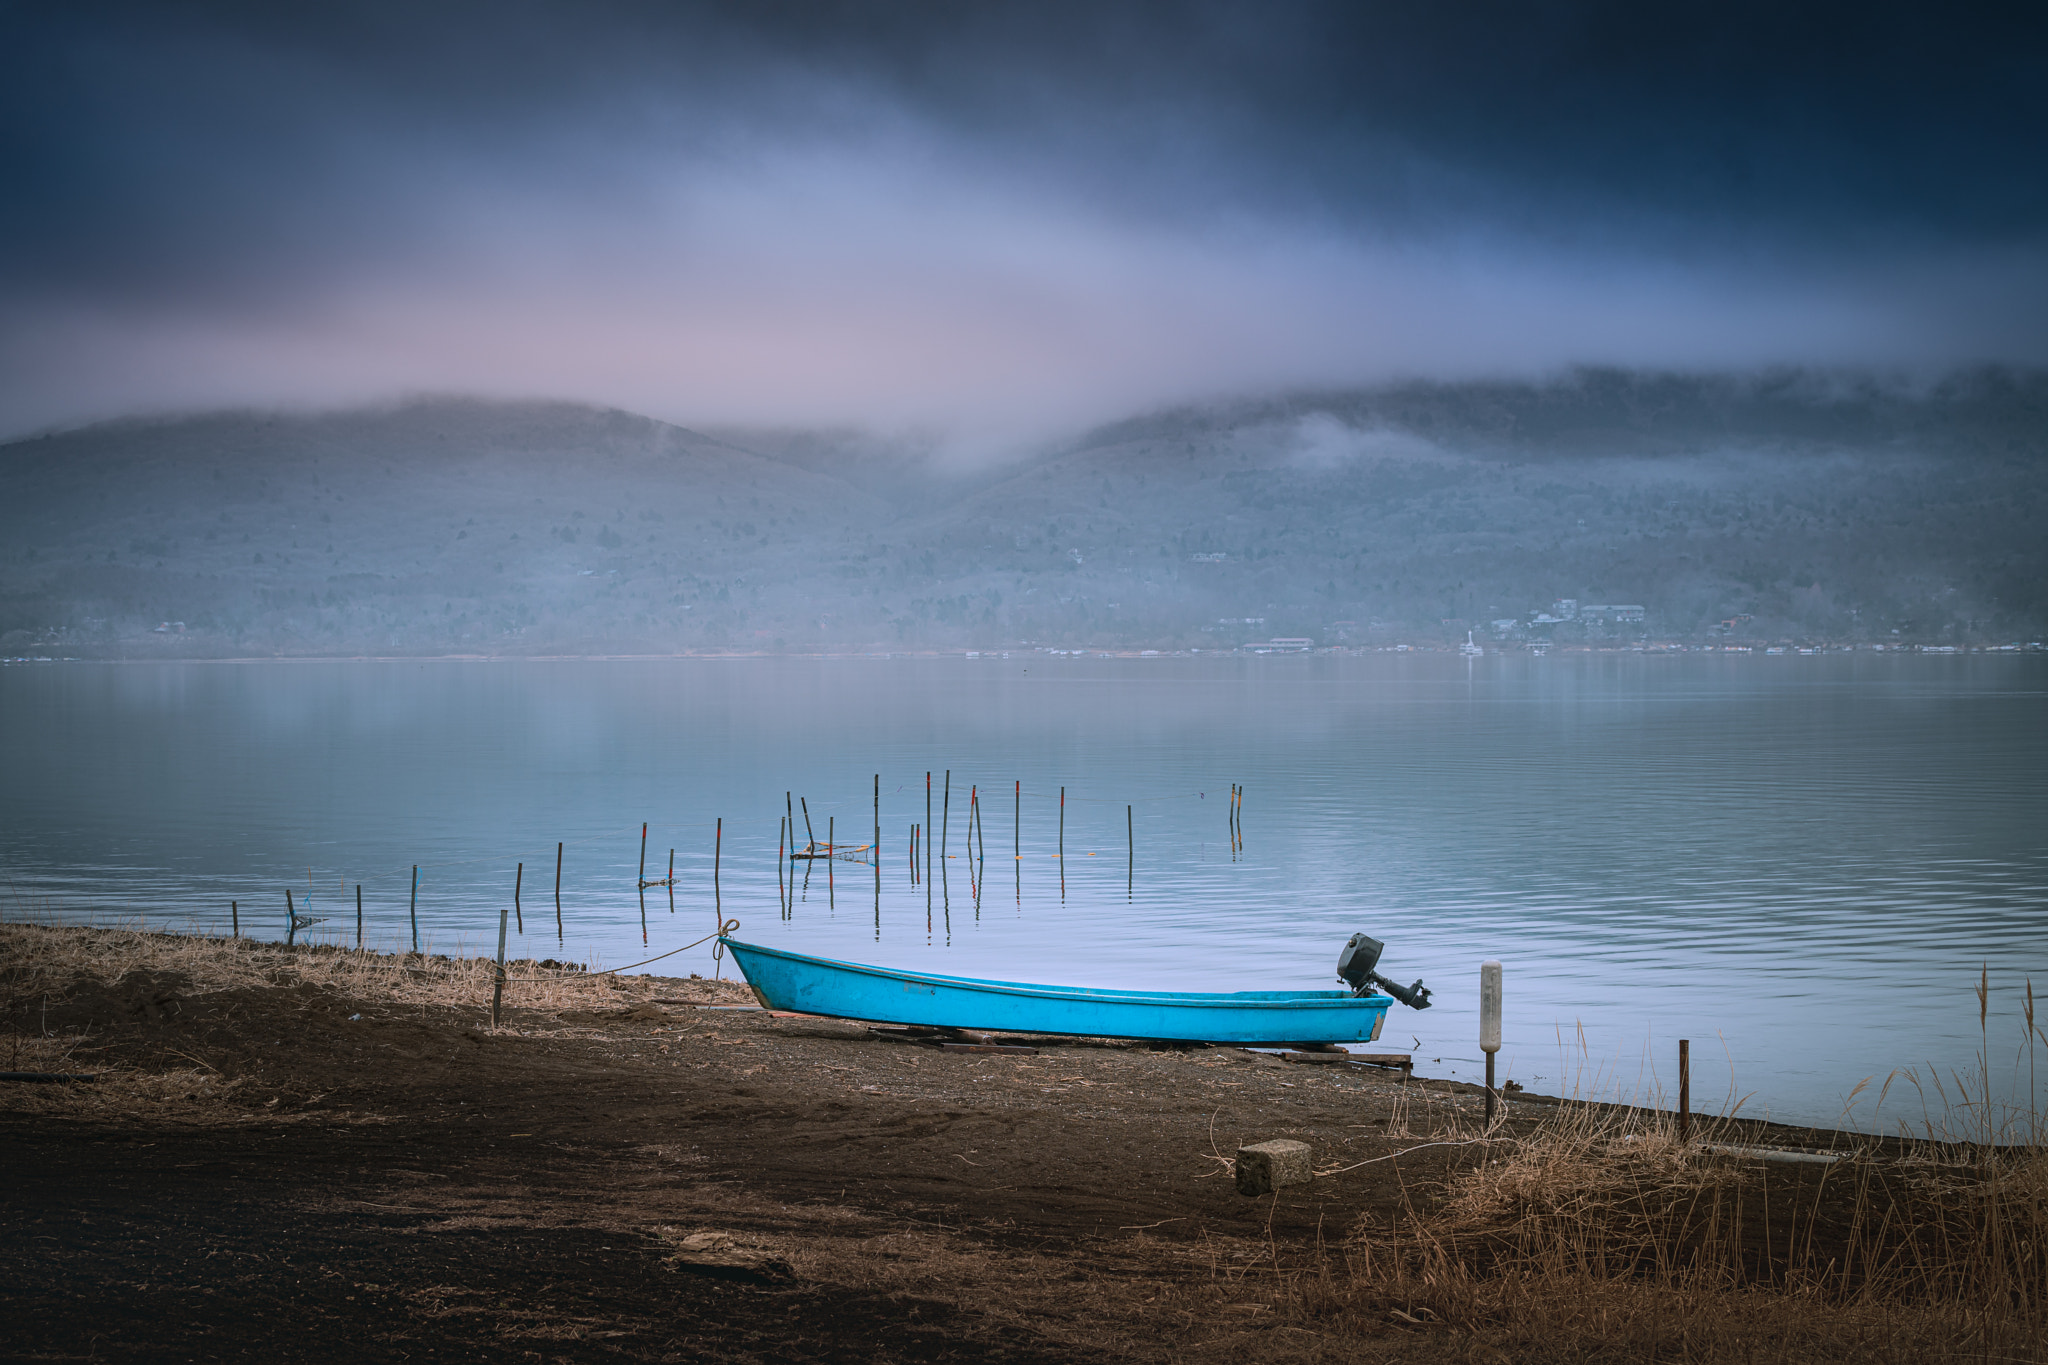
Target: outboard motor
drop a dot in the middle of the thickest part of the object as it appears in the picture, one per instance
(1355, 965)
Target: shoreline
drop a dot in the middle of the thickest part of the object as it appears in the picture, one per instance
(633, 1168)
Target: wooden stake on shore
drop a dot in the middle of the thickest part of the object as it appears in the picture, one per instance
(412, 909)
(498, 985)
(558, 892)
(518, 881)
(359, 917)
(235, 917)
(1685, 1090)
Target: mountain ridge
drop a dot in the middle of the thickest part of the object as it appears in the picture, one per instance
(1796, 505)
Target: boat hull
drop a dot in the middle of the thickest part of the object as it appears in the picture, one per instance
(850, 990)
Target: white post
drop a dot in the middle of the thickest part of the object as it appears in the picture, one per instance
(1489, 1022)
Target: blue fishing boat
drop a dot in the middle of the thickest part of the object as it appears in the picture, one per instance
(887, 995)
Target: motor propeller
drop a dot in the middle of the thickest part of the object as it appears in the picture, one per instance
(1355, 965)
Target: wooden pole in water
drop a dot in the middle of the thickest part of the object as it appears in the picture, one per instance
(1131, 847)
(359, 917)
(831, 886)
(945, 810)
(291, 919)
(412, 909)
(671, 881)
(558, 892)
(878, 840)
(809, 833)
(717, 853)
(498, 985)
(643, 853)
(518, 881)
(1685, 1090)
(789, 809)
(925, 829)
(781, 895)
(235, 916)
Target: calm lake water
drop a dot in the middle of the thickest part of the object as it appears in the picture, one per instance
(1800, 863)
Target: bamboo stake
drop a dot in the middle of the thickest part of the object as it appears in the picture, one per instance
(1685, 1090)
(498, 985)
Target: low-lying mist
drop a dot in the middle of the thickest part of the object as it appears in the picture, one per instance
(1796, 506)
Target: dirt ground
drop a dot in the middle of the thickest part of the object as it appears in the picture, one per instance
(292, 1173)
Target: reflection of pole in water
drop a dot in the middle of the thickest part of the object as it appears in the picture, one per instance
(643, 917)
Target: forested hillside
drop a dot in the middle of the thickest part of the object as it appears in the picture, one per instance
(1796, 506)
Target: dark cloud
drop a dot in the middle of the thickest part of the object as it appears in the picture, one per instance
(924, 212)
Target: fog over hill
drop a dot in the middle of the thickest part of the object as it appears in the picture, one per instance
(1817, 506)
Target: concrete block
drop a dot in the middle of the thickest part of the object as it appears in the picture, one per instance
(1267, 1166)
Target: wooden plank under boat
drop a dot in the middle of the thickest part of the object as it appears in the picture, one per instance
(886, 995)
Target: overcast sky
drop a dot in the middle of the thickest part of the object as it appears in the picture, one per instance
(991, 221)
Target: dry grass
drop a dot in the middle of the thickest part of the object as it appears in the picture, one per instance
(1602, 1236)
(46, 957)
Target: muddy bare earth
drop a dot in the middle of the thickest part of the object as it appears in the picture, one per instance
(287, 1172)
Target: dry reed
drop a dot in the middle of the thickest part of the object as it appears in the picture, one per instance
(1603, 1236)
